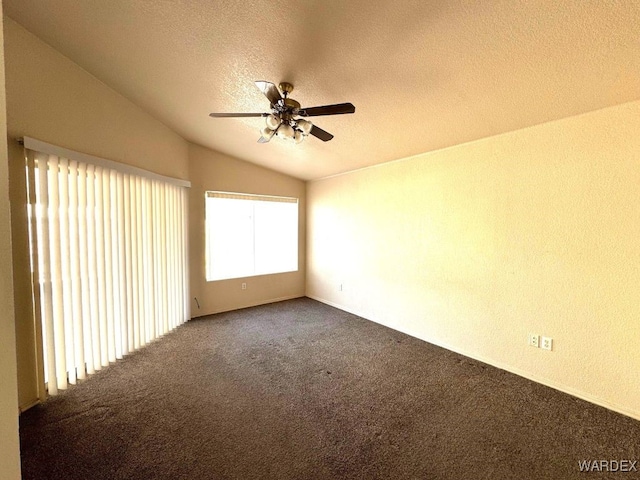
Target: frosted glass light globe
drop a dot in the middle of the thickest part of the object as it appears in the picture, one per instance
(298, 137)
(266, 132)
(285, 131)
(305, 126)
(272, 121)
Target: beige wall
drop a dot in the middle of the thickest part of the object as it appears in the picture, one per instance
(9, 443)
(52, 99)
(475, 246)
(210, 170)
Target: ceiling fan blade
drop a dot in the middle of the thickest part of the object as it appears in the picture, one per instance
(320, 133)
(233, 115)
(338, 109)
(270, 91)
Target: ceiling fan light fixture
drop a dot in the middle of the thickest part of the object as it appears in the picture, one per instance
(272, 121)
(267, 132)
(298, 137)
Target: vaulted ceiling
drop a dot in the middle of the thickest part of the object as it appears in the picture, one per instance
(423, 75)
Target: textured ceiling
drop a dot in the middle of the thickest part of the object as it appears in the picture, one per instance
(423, 75)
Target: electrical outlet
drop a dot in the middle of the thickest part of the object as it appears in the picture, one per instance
(244, 286)
(547, 343)
(534, 340)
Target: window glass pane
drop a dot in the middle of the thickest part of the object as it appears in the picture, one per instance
(229, 238)
(276, 234)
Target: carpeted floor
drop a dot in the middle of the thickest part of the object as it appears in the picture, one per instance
(300, 390)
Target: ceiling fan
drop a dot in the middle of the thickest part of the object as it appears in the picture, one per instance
(287, 120)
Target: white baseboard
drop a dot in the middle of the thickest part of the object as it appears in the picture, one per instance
(534, 378)
(248, 305)
(27, 406)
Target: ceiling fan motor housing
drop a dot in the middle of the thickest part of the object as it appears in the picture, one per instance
(290, 103)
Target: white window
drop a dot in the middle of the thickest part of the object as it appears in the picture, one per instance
(250, 235)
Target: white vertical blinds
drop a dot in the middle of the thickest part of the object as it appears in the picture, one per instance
(109, 261)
